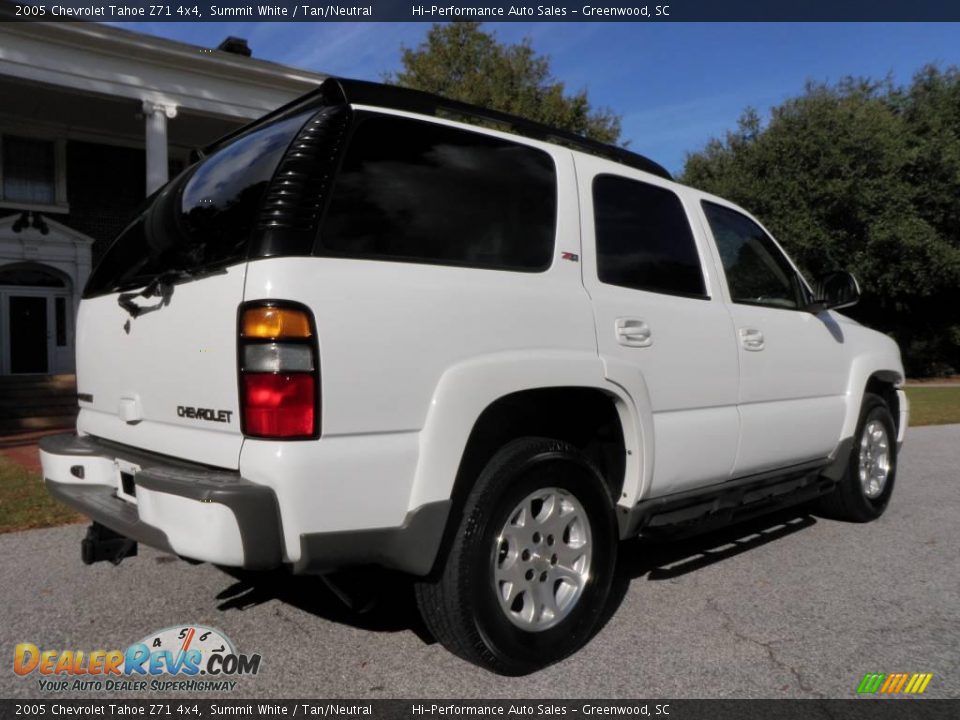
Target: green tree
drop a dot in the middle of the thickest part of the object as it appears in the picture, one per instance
(864, 176)
(463, 62)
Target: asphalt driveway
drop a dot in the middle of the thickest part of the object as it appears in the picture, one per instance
(791, 606)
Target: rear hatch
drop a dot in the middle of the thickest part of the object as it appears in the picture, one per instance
(165, 381)
(157, 328)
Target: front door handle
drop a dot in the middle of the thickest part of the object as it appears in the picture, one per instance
(633, 332)
(751, 339)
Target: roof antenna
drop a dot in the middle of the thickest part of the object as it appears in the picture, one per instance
(235, 45)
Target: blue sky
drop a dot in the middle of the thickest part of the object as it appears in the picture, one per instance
(676, 85)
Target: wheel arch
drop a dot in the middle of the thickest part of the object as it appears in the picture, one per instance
(482, 405)
(881, 376)
(886, 383)
(585, 417)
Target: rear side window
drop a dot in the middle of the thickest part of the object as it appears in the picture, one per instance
(203, 219)
(221, 200)
(420, 192)
(644, 239)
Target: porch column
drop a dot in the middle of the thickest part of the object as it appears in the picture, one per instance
(156, 115)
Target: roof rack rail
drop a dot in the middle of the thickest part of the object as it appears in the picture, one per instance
(362, 92)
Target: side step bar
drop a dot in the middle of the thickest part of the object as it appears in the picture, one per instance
(727, 502)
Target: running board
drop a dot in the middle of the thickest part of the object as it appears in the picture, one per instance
(728, 502)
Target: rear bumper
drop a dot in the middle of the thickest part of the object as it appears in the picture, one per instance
(218, 516)
(194, 511)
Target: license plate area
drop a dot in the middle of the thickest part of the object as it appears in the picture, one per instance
(126, 481)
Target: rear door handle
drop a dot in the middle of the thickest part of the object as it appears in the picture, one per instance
(751, 339)
(633, 332)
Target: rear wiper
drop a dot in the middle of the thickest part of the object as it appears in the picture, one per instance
(161, 286)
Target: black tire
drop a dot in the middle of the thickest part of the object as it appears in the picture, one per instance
(459, 603)
(848, 501)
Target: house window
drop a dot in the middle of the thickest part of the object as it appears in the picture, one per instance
(30, 169)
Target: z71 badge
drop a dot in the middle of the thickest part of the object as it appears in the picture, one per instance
(209, 414)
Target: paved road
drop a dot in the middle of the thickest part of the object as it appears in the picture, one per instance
(791, 607)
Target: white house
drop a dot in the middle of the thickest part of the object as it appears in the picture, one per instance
(92, 119)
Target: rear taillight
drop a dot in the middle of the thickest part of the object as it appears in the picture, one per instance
(279, 372)
(281, 405)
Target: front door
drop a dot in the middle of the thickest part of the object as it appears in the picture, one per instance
(792, 372)
(27, 317)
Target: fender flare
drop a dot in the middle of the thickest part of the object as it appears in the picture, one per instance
(465, 390)
(864, 367)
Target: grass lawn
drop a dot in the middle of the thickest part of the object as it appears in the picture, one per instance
(24, 502)
(934, 405)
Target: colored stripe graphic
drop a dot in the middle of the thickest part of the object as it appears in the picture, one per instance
(870, 683)
(889, 682)
(894, 683)
(927, 677)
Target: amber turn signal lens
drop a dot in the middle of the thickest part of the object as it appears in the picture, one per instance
(274, 322)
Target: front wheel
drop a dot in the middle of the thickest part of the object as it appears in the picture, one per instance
(864, 491)
(529, 571)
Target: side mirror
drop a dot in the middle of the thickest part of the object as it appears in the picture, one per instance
(835, 290)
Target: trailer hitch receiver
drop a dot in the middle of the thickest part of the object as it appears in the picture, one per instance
(102, 543)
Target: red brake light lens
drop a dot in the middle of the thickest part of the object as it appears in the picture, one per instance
(279, 405)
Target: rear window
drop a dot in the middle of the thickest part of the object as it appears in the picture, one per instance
(421, 192)
(204, 219)
(644, 239)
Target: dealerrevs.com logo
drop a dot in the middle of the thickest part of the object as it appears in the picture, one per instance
(190, 658)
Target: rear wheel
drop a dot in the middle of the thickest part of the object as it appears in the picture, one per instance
(529, 571)
(864, 491)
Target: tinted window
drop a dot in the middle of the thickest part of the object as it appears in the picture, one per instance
(203, 219)
(28, 170)
(221, 200)
(416, 191)
(757, 272)
(643, 238)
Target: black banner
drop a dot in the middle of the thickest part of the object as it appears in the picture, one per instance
(862, 709)
(482, 10)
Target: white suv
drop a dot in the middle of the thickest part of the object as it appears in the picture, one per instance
(358, 332)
